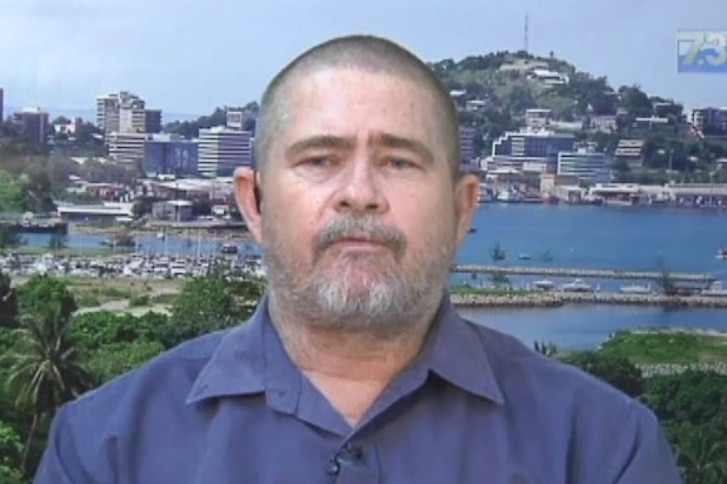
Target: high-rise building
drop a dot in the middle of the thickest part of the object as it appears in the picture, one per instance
(222, 149)
(153, 121)
(108, 109)
(33, 124)
(125, 112)
(171, 155)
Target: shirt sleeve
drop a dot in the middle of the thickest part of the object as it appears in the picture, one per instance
(61, 462)
(644, 455)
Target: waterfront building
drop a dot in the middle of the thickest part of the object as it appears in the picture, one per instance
(172, 210)
(530, 150)
(587, 165)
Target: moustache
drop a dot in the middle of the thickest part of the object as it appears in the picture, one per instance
(361, 227)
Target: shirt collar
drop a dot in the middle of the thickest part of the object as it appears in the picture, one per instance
(237, 366)
(251, 357)
(456, 352)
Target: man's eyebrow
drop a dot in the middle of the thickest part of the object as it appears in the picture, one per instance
(318, 142)
(389, 140)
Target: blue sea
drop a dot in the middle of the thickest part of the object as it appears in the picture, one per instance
(625, 238)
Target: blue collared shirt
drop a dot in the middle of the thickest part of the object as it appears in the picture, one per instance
(477, 406)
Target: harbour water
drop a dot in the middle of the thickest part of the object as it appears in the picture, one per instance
(628, 238)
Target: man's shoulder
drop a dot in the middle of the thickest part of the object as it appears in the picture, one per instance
(524, 374)
(171, 373)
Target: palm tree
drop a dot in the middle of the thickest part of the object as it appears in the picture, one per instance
(45, 369)
(701, 457)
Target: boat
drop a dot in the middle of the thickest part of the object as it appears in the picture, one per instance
(544, 285)
(578, 285)
(716, 289)
(472, 230)
(508, 196)
(524, 256)
(228, 248)
(722, 254)
(636, 289)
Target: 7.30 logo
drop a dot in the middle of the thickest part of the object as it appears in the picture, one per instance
(701, 51)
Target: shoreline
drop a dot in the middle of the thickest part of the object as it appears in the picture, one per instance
(558, 299)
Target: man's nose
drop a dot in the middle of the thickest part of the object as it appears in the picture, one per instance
(360, 189)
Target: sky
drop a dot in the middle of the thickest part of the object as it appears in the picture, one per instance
(187, 57)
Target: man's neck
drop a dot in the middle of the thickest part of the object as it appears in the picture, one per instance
(350, 355)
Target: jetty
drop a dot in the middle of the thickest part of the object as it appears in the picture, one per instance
(581, 273)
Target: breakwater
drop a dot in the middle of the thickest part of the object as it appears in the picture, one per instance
(556, 299)
(584, 273)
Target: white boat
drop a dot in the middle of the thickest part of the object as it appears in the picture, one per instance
(717, 289)
(636, 289)
(579, 285)
(722, 254)
(544, 285)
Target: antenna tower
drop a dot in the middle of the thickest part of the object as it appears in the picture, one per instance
(526, 34)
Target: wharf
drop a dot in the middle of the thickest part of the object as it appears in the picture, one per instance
(582, 273)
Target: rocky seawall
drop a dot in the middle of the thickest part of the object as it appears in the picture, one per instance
(556, 299)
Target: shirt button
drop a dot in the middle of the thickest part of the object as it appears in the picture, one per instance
(333, 467)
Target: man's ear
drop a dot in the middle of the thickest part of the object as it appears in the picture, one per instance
(248, 198)
(467, 199)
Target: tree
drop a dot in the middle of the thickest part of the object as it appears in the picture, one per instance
(43, 293)
(8, 303)
(45, 369)
(615, 370)
(701, 453)
(11, 449)
(113, 360)
(697, 397)
(221, 299)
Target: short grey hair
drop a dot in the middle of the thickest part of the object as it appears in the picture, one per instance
(369, 53)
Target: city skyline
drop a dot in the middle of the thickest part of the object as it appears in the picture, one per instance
(61, 56)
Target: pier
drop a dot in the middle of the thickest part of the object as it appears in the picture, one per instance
(581, 273)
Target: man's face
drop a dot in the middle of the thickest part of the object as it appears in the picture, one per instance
(359, 216)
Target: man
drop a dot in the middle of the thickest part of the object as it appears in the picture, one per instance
(355, 367)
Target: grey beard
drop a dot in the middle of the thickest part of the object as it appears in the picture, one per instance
(384, 304)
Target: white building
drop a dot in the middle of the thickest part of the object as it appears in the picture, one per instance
(589, 166)
(222, 149)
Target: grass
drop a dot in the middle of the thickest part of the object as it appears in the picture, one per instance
(464, 289)
(679, 347)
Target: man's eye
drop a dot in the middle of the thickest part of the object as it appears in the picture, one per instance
(401, 163)
(318, 162)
